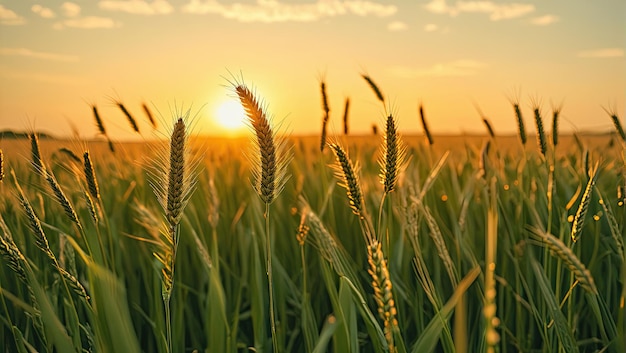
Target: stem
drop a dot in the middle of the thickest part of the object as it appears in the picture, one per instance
(269, 276)
(380, 219)
(168, 323)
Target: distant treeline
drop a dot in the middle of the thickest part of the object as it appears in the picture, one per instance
(10, 134)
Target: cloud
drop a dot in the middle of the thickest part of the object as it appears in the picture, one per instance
(138, 7)
(43, 11)
(88, 22)
(275, 11)
(496, 11)
(397, 26)
(70, 9)
(10, 18)
(431, 27)
(38, 55)
(449, 69)
(544, 20)
(602, 53)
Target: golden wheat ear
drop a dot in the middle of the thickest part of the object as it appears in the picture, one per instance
(326, 117)
(269, 156)
(173, 172)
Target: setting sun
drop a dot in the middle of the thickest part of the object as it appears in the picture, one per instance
(231, 115)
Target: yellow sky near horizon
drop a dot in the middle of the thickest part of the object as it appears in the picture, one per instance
(58, 57)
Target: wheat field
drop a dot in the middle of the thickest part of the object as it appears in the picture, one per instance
(386, 244)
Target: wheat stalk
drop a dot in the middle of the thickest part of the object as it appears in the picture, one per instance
(425, 125)
(269, 171)
(381, 283)
(42, 242)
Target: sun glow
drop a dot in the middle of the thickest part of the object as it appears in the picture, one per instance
(231, 115)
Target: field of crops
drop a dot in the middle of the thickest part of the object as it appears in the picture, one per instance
(464, 245)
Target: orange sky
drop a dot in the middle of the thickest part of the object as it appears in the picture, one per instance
(57, 57)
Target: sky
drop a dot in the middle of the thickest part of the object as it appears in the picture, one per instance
(455, 57)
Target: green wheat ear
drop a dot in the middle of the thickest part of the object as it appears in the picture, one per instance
(346, 172)
(393, 156)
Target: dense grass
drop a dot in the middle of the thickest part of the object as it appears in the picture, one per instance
(478, 247)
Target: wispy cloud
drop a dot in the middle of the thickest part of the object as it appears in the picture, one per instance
(544, 20)
(138, 7)
(41, 77)
(38, 54)
(275, 11)
(70, 9)
(431, 27)
(397, 26)
(448, 69)
(88, 22)
(602, 53)
(10, 18)
(496, 11)
(43, 11)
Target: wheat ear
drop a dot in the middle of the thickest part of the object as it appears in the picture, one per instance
(579, 219)
(149, 115)
(1, 165)
(326, 117)
(346, 172)
(556, 112)
(70, 154)
(36, 160)
(270, 167)
(616, 122)
(11, 253)
(90, 176)
(425, 125)
(393, 155)
(572, 261)
(515, 102)
(42, 242)
(346, 109)
(61, 198)
(381, 283)
(374, 87)
(541, 134)
(129, 117)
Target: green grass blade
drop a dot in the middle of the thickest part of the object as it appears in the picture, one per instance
(563, 331)
(430, 336)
